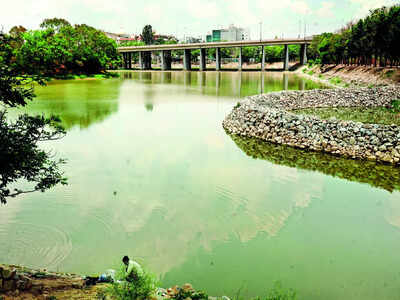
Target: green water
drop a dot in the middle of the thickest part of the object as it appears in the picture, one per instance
(152, 174)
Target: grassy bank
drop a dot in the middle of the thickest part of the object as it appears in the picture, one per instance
(377, 115)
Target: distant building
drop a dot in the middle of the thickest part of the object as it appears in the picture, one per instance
(229, 34)
(192, 40)
(122, 37)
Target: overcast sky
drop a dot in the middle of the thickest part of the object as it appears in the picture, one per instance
(192, 17)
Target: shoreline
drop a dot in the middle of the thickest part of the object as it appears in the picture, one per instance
(269, 118)
(23, 283)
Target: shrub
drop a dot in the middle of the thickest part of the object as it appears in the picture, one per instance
(335, 80)
(143, 288)
(389, 73)
(395, 106)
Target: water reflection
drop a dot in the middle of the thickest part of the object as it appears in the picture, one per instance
(149, 106)
(78, 103)
(188, 196)
(378, 175)
(225, 84)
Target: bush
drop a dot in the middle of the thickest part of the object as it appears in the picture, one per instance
(335, 80)
(395, 106)
(143, 288)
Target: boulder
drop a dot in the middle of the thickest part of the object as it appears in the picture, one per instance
(8, 285)
(8, 273)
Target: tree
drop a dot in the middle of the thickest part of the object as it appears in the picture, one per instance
(147, 35)
(17, 31)
(79, 49)
(54, 23)
(20, 155)
(370, 40)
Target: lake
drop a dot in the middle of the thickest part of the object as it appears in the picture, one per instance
(153, 175)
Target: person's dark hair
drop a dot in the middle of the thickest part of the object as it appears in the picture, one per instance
(125, 259)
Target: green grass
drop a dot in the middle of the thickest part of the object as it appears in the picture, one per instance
(378, 115)
(311, 72)
(389, 73)
(321, 76)
(335, 80)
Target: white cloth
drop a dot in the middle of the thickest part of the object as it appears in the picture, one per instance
(133, 266)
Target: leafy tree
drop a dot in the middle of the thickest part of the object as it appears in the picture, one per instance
(78, 49)
(371, 40)
(147, 35)
(20, 155)
(17, 31)
(54, 23)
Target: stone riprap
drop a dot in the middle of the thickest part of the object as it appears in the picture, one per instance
(269, 117)
(11, 280)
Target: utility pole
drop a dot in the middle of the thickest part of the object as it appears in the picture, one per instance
(260, 31)
(300, 28)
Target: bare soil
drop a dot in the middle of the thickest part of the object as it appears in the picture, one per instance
(354, 75)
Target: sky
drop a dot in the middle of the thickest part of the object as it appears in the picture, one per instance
(265, 18)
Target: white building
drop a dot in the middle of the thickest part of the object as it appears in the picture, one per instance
(235, 34)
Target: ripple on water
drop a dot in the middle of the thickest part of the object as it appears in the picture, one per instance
(35, 245)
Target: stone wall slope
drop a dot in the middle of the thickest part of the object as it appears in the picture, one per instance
(269, 117)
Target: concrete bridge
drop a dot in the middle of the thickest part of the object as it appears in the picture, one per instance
(145, 52)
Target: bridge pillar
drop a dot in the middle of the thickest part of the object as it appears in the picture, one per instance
(124, 60)
(166, 60)
(141, 63)
(187, 66)
(303, 54)
(218, 59)
(147, 60)
(240, 63)
(203, 59)
(263, 58)
(130, 60)
(286, 58)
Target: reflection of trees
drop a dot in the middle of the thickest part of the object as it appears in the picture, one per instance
(225, 84)
(378, 175)
(78, 103)
(149, 106)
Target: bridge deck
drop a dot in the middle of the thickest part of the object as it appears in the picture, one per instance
(296, 41)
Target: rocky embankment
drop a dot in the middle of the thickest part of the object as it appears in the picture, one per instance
(18, 282)
(269, 117)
